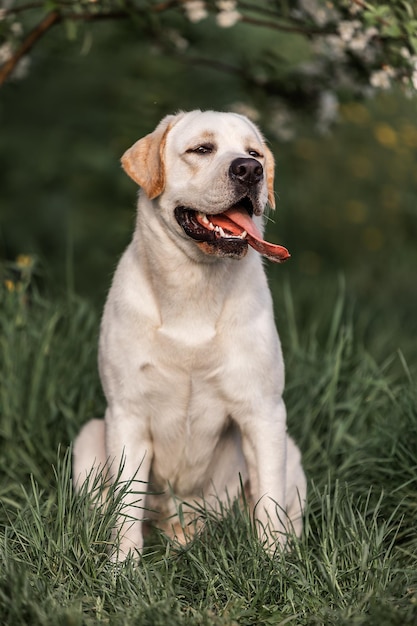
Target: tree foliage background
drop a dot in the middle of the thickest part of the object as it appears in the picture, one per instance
(331, 84)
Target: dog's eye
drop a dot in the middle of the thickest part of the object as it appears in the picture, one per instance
(255, 154)
(205, 148)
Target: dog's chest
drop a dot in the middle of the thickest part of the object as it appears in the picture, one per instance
(182, 375)
(187, 407)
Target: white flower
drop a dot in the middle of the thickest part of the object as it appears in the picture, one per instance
(178, 40)
(412, 63)
(321, 17)
(381, 79)
(6, 4)
(358, 43)
(320, 13)
(371, 32)
(228, 15)
(195, 10)
(245, 109)
(347, 29)
(226, 5)
(6, 53)
(226, 19)
(360, 40)
(328, 110)
(16, 29)
(281, 123)
(355, 8)
(332, 46)
(22, 68)
(405, 53)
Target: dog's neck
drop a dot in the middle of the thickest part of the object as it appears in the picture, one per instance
(175, 272)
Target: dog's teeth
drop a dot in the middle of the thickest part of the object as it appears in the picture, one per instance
(221, 231)
(243, 234)
(205, 220)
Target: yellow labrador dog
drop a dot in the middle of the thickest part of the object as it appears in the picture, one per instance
(189, 357)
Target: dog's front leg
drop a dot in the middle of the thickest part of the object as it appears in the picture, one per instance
(264, 440)
(130, 450)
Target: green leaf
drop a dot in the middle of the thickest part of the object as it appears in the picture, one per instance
(413, 43)
(411, 27)
(409, 9)
(391, 30)
(71, 30)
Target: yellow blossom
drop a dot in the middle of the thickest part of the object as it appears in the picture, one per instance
(386, 135)
(9, 284)
(24, 260)
(356, 113)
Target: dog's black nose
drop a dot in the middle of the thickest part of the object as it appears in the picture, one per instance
(247, 171)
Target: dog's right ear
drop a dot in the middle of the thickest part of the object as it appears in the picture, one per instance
(144, 161)
(270, 171)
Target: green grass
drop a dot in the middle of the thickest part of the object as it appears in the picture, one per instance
(354, 415)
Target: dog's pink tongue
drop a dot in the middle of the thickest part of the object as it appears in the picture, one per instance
(236, 221)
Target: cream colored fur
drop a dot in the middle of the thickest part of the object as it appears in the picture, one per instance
(189, 357)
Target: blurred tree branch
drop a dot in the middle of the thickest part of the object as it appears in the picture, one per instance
(372, 44)
(31, 39)
(61, 14)
(57, 16)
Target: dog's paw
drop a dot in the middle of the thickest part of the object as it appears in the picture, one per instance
(127, 542)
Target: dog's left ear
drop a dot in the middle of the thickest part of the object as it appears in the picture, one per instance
(144, 161)
(270, 173)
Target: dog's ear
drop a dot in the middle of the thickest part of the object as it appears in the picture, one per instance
(144, 161)
(270, 173)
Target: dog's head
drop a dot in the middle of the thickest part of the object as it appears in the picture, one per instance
(211, 173)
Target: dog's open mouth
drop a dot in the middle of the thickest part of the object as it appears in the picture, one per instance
(229, 233)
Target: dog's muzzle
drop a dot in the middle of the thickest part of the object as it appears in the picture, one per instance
(228, 234)
(247, 172)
